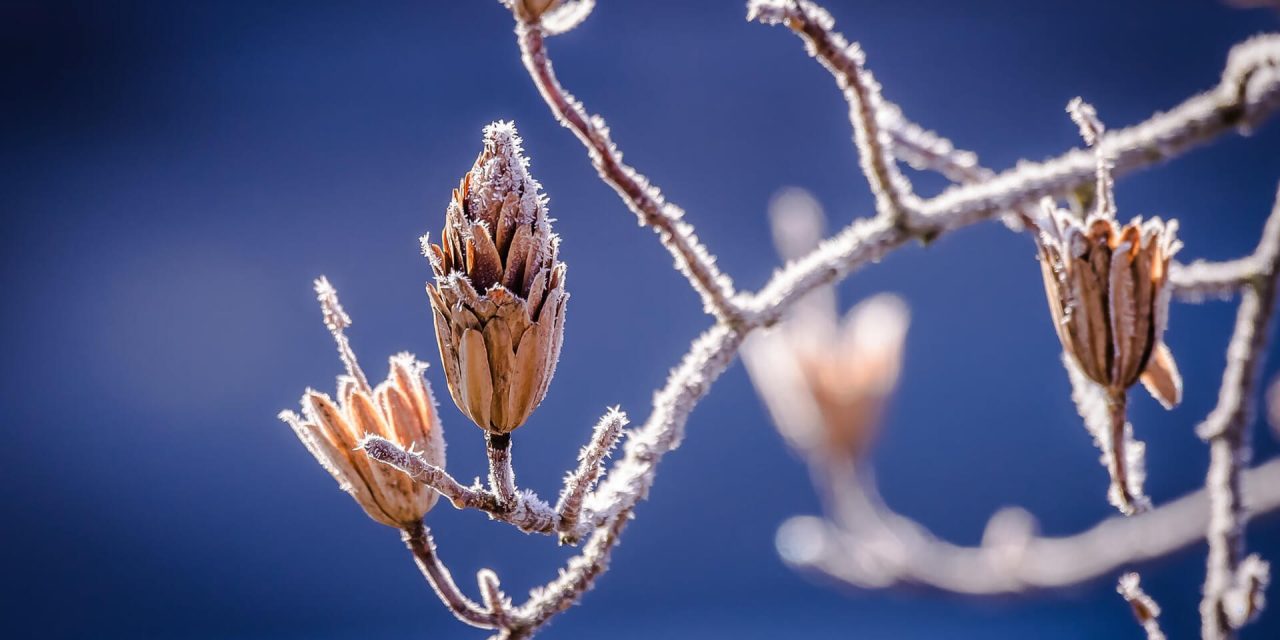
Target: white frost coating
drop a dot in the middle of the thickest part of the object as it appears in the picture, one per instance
(590, 467)
(504, 172)
(1130, 467)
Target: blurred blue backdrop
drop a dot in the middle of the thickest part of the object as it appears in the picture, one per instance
(175, 174)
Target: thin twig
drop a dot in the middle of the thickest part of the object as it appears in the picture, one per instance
(894, 197)
(644, 199)
(590, 466)
(526, 512)
(1226, 431)
(418, 539)
(1144, 606)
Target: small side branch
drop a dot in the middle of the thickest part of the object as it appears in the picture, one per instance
(845, 61)
(524, 510)
(590, 466)
(1144, 606)
(645, 200)
(1226, 431)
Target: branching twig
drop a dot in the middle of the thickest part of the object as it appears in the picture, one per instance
(418, 539)
(526, 511)
(1226, 431)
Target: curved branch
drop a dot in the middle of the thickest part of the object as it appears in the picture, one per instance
(644, 199)
(885, 549)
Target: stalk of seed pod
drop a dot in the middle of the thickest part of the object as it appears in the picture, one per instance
(400, 409)
(498, 295)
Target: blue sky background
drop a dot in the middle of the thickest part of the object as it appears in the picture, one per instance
(173, 175)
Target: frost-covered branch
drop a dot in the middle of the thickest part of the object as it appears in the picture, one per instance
(644, 199)
(1232, 598)
(418, 539)
(1144, 606)
(590, 466)
(894, 197)
(1246, 96)
(1012, 558)
(526, 511)
(578, 576)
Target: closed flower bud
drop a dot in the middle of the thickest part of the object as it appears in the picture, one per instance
(400, 409)
(498, 298)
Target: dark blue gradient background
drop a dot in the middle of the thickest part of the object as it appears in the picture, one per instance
(175, 174)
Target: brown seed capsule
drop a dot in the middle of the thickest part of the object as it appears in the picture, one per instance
(1107, 284)
(400, 409)
(1108, 295)
(498, 298)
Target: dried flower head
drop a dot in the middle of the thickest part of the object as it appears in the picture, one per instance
(499, 297)
(852, 376)
(400, 409)
(826, 383)
(1107, 286)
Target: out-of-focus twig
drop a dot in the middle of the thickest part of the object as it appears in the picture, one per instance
(1012, 559)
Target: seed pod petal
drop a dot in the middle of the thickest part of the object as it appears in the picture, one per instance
(477, 381)
(1162, 378)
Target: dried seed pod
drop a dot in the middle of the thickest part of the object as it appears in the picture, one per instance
(499, 297)
(400, 409)
(1108, 295)
(1107, 284)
